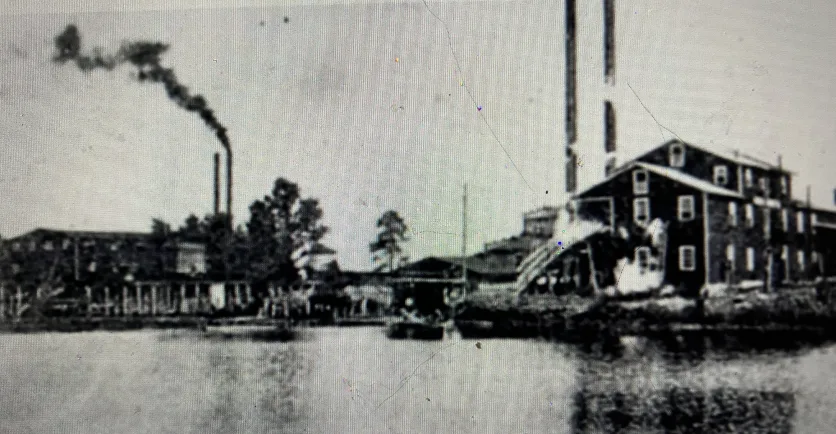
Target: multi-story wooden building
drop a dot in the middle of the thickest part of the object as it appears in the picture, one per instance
(724, 213)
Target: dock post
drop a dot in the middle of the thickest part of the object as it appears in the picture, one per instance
(196, 298)
(18, 302)
(154, 300)
(107, 301)
(89, 297)
(139, 307)
(167, 292)
(124, 301)
(2, 303)
(184, 303)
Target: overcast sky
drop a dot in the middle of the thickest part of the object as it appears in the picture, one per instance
(322, 101)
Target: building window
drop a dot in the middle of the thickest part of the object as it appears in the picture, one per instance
(799, 216)
(685, 208)
(747, 176)
(33, 246)
(730, 255)
(785, 220)
(721, 175)
(785, 188)
(687, 258)
(785, 258)
(48, 246)
(814, 218)
(750, 215)
(762, 183)
(640, 182)
(732, 213)
(801, 260)
(676, 155)
(641, 211)
(750, 259)
(16, 247)
(643, 258)
(66, 244)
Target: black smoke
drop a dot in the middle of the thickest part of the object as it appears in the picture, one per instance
(146, 58)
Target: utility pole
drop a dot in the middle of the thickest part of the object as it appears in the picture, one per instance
(464, 241)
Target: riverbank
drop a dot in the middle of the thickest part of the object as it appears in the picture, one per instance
(807, 311)
(79, 324)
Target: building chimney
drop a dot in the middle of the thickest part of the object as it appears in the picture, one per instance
(229, 186)
(217, 183)
(609, 137)
(571, 96)
(609, 41)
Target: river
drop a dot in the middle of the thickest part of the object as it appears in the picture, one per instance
(340, 380)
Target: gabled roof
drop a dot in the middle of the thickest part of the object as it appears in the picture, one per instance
(726, 153)
(672, 174)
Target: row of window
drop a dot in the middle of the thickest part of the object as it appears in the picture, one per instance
(676, 158)
(800, 257)
(685, 209)
(647, 262)
(785, 217)
(65, 245)
(688, 259)
(721, 178)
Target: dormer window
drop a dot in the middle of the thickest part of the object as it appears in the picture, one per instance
(640, 182)
(676, 155)
(747, 176)
(721, 175)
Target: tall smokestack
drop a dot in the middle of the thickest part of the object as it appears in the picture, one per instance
(229, 185)
(609, 41)
(146, 56)
(217, 184)
(571, 98)
(609, 137)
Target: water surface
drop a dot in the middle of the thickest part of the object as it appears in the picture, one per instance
(355, 380)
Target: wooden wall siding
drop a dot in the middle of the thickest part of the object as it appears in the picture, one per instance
(700, 164)
(663, 195)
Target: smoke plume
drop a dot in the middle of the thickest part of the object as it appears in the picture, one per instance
(145, 57)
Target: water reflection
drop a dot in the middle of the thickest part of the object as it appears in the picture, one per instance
(686, 383)
(253, 389)
(685, 410)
